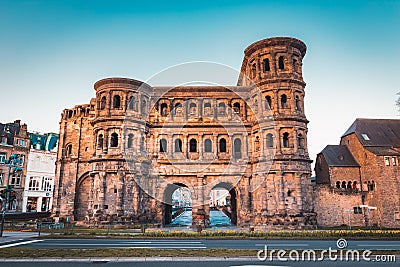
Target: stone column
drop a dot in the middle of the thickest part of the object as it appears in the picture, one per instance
(39, 204)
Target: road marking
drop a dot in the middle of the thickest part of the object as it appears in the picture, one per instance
(171, 247)
(20, 243)
(373, 245)
(286, 245)
(162, 242)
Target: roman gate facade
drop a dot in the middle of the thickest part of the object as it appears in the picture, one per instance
(122, 155)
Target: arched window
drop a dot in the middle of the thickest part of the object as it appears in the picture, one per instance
(193, 145)
(192, 108)
(236, 107)
(253, 70)
(355, 185)
(178, 106)
(221, 108)
(103, 102)
(143, 107)
(281, 64)
(283, 101)
(207, 105)
(300, 141)
(268, 102)
(70, 114)
(297, 104)
(68, 150)
(255, 106)
(338, 184)
(285, 140)
(130, 140)
(257, 143)
(207, 145)
(222, 145)
(270, 140)
(100, 141)
(178, 145)
(349, 185)
(114, 140)
(164, 109)
(266, 65)
(344, 184)
(237, 148)
(163, 145)
(131, 103)
(117, 101)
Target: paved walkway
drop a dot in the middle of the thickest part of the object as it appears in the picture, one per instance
(17, 236)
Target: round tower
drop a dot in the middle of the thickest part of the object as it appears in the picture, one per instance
(272, 69)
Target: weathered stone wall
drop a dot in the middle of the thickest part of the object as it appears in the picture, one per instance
(335, 207)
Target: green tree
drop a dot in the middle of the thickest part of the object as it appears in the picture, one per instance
(398, 101)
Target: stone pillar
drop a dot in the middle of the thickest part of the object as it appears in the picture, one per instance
(201, 148)
(39, 204)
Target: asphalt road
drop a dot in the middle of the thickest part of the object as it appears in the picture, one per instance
(198, 263)
(201, 244)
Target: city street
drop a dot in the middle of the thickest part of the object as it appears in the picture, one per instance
(200, 244)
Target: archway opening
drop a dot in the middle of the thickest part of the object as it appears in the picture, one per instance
(177, 205)
(223, 205)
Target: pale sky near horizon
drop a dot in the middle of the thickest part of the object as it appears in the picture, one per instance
(52, 52)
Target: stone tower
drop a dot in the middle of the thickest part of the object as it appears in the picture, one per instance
(272, 69)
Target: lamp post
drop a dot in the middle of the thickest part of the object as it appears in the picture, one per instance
(12, 163)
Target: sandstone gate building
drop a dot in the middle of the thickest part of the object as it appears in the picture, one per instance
(122, 155)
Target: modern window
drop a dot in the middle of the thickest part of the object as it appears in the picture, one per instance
(103, 102)
(21, 142)
(285, 140)
(3, 157)
(193, 145)
(178, 145)
(117, 101)
(357, 210)
(114, 140)
(33, 183)
(130, 141)
(266, 65)
(207, 145)
(268, 102)
(394, 162)
(365, 136)
(222, 145)
(283, 101)
(270, 140)
(237, 148)
(16, 180)
(387, 161)
(163, 145)
(47, 184)
(281, 64)
(1, 179)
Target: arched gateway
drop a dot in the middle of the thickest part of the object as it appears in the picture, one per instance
(123, 155)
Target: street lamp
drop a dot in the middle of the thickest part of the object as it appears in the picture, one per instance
(12, 163)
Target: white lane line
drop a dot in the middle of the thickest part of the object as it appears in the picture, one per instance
(171, 247)
(20, 243)
(157, 242)
(374, 245)
(286, 245)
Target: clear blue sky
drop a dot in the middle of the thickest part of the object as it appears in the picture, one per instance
(51, 52)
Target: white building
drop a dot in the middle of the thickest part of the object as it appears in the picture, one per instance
(39, 183)
(218, 197)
